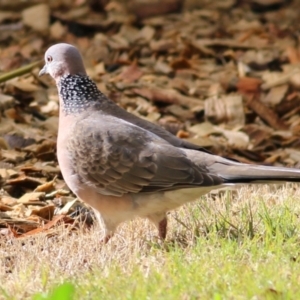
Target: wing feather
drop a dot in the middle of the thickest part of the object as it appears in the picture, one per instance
(116, 157)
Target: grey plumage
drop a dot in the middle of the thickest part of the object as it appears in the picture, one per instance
(125, 166)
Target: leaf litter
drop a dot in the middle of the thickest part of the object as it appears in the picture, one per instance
(222, 74)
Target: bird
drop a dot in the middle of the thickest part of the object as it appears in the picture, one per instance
(126, 167)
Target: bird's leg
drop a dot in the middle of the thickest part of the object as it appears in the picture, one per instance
(107, 226)
(162, 228)
(161, 222)
(105, 239)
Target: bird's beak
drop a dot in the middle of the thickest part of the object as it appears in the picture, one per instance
(43, 71)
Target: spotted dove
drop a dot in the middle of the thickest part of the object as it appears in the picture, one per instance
(124, 166)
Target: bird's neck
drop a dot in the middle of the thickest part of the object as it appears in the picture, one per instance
(77, 93)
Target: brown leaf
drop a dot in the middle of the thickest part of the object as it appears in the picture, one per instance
(265, 113)
(57, 220)
(162, 67)
(250, 155)
(273, 158)
(227, 109)
(6, 102)
(258, 134)
(180, 63)
(288, 106)
(276, 95)
(150, 8)
(248, 85)
(40, 23)
(162, 45)
(236, 139)
(4, 207)
(168, 96)
(178, 111)
(45, 212)
(32, 198)
(19, 225)
(131, 74)
(44, 151)
(8, 200)
(15, 115)
(13, 156)
(293, 55)
(46, 187)
(231, 43)
(25, 86)
(25, 181)
(7, 173)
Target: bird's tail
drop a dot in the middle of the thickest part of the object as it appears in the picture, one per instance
(234, 172)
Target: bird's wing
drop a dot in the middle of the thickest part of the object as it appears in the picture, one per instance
(116, 157)
(111, 108)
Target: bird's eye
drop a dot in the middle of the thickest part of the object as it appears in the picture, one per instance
(49, 58)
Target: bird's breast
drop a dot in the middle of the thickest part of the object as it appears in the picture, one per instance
(64, 154)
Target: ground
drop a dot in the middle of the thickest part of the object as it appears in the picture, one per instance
(223, 74)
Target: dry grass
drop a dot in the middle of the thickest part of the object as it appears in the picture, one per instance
(249, 218)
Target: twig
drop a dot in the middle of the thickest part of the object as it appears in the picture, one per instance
(19, 72)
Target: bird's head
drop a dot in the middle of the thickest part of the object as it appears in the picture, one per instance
(61, 60)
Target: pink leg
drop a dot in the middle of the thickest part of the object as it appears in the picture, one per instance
(160, 221)
(162, 228)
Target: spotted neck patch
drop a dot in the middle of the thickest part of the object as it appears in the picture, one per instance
(78, 92)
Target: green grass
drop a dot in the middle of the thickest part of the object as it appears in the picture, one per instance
(210, 270)
(246, 248)
(63, 292)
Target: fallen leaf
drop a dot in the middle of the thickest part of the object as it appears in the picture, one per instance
(236, 139)
(266, 113)
(227, 109)
(46, 187)
(57, 220)
(32, 197)
(276, 95)
(167, 96)
(131, 74)
(45, 212)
